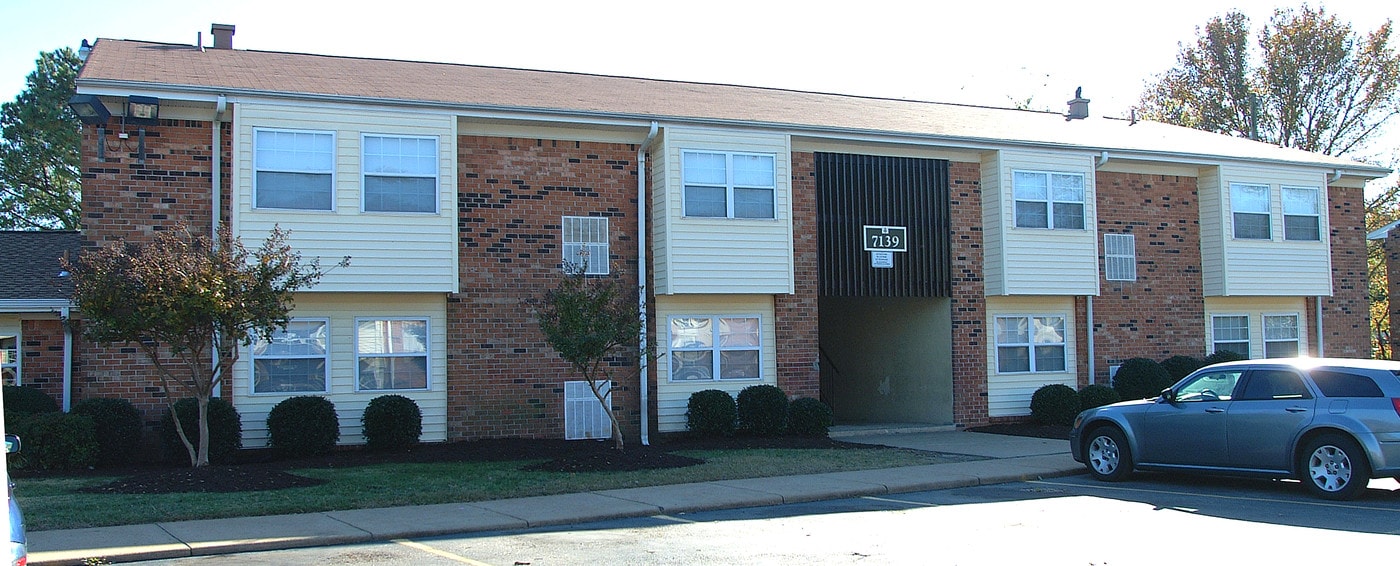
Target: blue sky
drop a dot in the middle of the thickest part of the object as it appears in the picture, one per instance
(988, 53)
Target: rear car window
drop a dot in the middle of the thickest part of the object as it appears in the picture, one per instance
(1344, 384)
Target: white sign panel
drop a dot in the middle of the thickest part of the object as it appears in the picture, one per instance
(882, 260)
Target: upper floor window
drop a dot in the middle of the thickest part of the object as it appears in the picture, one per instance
(391, 354)
(586, 244)
(293, 169)
(1281, 336)
(1120, 257)
(728, 185)
(1250, 205)
(9, 360)
(1049, 200)
(714, 347)
(1301, 217)
(400, 174)
(1030, 344)
(1230, 333)
(293, 361)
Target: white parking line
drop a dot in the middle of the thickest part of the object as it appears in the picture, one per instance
(673, 519)
(442, 553)
(1353, 505)
(902, 501)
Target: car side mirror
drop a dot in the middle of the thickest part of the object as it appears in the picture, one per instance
(1169, 396)
(11, 444)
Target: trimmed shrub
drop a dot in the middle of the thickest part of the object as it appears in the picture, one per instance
(117, 424)
(225, 431)
(1141, 378)
(54, 441)
(711, 413)
(763, 410)
(392, 422)
(1182, 366)
(28, 400)
(303, 426)
(1223, 356)
(1097, 395)
(809, 417)
(1054, 404)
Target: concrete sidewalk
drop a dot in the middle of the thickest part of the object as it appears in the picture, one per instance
(1009, 459)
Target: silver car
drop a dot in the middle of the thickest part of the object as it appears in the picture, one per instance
(1332, 423)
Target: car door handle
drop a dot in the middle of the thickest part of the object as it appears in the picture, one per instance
(1215, 410)
(1297, 409)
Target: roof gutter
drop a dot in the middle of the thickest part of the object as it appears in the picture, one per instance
(645, 362)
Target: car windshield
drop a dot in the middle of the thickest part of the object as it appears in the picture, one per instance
(1209, 386)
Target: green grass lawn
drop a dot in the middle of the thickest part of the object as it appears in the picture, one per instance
(55, 503)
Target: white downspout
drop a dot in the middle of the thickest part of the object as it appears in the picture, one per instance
(642, 274)
(216, 174)
(65, 313)
(1089, 332)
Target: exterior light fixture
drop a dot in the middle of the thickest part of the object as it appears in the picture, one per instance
(89, 109)
(142, 110)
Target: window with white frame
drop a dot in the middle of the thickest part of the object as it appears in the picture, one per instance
(294, 360)
(1030, 344)
(391, 354)
(1120, 257)
(400, 173)
(1250, 205)
(1048, 200)
(707, 348)
(1230, 333)
(1302, 219)
(9, 360)
(293, 169)
(728, 185)
(1281, 336)
(586, 244)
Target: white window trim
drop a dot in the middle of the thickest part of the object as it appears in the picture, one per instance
(729, 184)
(1317, 212)
(437, 174)
(14, 363)
(716, 348)
(253, 164)
(1128, 262)
(594, 267)
(1050, 199)
(1031, 345)
(1268, 195)
(1249, 332)
(253, 359)
(1297, 328)
(426, 354)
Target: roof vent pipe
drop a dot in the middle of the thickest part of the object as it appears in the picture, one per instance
(1079, 107)
(223, 36)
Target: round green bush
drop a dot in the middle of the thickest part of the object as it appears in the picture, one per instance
(1141, 378)
(1097, 395)
(118, 426)
(26, 399)
(763, 410)
(225, 431)
(54, 441)
(1223, 356)
(392, 422)
(1055, 404)
(1182, 366)
(809, 417)
(303, 426)
(711, 413)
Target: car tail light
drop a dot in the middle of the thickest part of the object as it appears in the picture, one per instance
(1396, 401)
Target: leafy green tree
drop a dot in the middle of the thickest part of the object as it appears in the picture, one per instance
(592, 322)
(1313, 83)
(1381, 209)
(39, 149)
(180, 299)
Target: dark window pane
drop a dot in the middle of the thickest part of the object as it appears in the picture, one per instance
(705, 201)
(1069, 216)
(1301, 228)
(289, 375)
(753, 203)
(305, 191)
(692, 366)
(1340, 384)
(400, 194)
(1013, 359)
(1032, 215)
(1250, 226)
(394, 373)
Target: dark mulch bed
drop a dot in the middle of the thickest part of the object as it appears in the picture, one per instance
(259, 470)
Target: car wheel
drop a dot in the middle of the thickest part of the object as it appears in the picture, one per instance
(1107, 455)
(1333, 467)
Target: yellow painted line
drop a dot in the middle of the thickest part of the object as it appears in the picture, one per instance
(674, 519)
(442, 553)
(1227, 497)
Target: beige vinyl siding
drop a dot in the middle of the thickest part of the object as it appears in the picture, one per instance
(1039, 261)
(1210, 191)
(402, 252)
(671, 398)
(1256, 308)
(723, 255)
(658, 215)
(1275, 267)
(993, 225)
(342, 309)
(1009, 395)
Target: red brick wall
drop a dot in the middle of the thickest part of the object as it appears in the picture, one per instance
(127, 201)
(795, 315)
(1346, 314)
(969, 302)
(505, 381)
(1162, 313)
(41, 356)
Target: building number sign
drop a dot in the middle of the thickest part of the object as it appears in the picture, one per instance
(886, 239)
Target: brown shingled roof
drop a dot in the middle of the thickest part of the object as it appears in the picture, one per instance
(136, 65)
(29, 264)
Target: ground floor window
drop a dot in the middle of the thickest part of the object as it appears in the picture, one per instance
(1030, 344)
(1281, 336)
(391, 353)
(294, 360)
(9, 359)
(1230, 333)
(714, 347)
